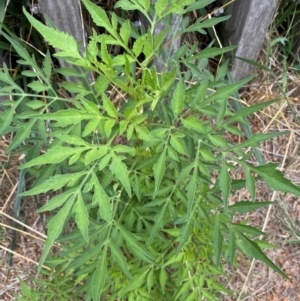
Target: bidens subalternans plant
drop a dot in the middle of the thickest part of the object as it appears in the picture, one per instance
(131, 158)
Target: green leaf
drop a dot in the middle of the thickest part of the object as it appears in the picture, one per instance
(38, 87)
(256, 139)
(138, 45)
(247, 229)
(217, 241)
(82, 217)
(163, 277)
(211, 52)
(226, 91)
(108, 125)
(60, 40)
(158, 222)
(54, 183)
(198, 5)
(135, 247)
(178, 145)
(247, 206)
(21, 136)
(118, 256)
(217, 140)
(72, 139)
(252, 249)
(90, 127)
(192, 123)
(65, 117)
(99, 277)
(35, 104)
(160, 6)
(224, 180)
(95, 153)
(58, 200)
(275, 179)
(177, 101)
(55, 226)
(125, 31)
(248, 111)
(119, 169)
(99, 17)
(137, 282)
(109, 107)
(207, 155)
(159, 170)
(101, 198)
(56, 154)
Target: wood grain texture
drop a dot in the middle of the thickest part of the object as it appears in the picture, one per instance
(249, 23)
(66, 16)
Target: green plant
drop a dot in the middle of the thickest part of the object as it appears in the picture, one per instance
(138, 160)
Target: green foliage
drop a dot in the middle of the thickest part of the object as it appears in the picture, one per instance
(146, 180)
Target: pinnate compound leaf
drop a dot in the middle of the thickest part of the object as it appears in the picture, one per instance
(55, 227)
(54, 183)
(247, 206)
(101, 198)
(177, 101)
(253, 250)
(82, 217)
(119, 169)
(275, 179)
(56, 154)
(56, 38)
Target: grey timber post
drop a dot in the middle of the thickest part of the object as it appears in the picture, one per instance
(249, 24)
(66, 16)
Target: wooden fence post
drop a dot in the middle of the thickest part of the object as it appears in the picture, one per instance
(66, 16)
(249, 24)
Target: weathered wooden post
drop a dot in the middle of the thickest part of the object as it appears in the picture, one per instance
(249, 24)
(66, 16)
